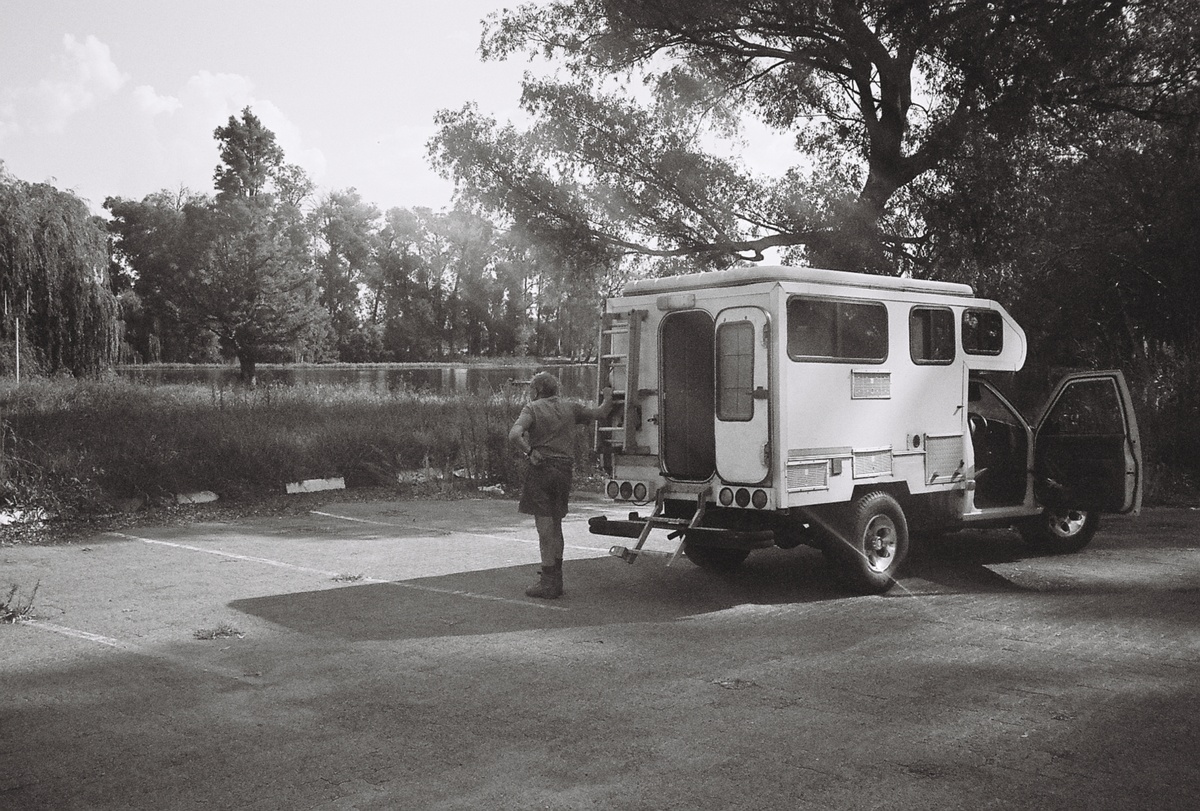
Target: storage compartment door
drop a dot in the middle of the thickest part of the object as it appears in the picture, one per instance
(743, 406)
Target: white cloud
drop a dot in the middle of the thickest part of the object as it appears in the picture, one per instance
(180, 125)
(84, 121)
(83, 75)
(150, 102)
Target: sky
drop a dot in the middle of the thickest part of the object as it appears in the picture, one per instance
(121, 97)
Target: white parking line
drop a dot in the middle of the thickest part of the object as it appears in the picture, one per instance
(284, 565)
(436, 530)
(129, 647)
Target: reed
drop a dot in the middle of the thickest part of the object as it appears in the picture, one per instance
(74, 445)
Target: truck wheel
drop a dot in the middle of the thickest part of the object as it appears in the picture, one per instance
(868, 558)
(715, 558)
(1059, 530)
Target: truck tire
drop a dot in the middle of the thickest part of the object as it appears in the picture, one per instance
(715, 558)
(1059, 530)
(867, 559)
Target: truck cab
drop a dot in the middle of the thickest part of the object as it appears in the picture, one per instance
(775, 406)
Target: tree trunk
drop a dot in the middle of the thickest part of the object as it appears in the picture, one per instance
(247, 362)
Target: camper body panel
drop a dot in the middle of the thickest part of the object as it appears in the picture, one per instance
(820, 428)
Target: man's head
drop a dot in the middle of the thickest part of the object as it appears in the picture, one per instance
(542, 385)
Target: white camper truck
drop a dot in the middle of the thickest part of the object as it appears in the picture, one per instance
(774, 406)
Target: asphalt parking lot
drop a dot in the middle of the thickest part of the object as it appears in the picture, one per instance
(382, 655)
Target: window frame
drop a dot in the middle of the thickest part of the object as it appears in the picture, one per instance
(838, 303)
(976, 350)
(719, 388)
(931, 309)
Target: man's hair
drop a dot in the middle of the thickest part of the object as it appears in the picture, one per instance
(542, 385)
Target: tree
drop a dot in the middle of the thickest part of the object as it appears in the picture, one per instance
(347, 232)
(239, 266)
(877, 93)
(247, 278)
(250, 158)
(54, 278)
(149, 242)
(400, 290)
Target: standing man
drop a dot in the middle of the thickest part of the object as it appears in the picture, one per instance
(545, 434)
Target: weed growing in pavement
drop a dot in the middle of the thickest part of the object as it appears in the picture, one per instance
(13, 609)
(223, 631)
(347, 578)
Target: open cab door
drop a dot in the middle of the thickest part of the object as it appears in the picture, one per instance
(1087, 452)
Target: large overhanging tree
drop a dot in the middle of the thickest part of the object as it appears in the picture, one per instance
(877, 94)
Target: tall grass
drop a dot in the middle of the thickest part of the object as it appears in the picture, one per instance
(73, 444)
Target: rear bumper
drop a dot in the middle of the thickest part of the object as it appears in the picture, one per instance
(703, 536)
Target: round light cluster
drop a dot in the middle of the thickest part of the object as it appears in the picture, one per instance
(742, 497)
(626, 491)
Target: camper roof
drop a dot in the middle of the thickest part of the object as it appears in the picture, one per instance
(751, 275)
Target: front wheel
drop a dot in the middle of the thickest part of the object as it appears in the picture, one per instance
(869, 556)
(1059, 530)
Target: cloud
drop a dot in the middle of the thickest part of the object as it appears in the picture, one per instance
(85, 122)
(83, 75)
(149, 102)
(179, 126)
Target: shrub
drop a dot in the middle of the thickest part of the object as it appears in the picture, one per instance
(67, 444)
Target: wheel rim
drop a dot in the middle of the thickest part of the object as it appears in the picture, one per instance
(879, 543)
(1065, 523)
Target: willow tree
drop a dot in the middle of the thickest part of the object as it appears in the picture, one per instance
(54, 278)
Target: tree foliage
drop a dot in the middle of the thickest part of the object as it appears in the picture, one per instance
(250, 158)
(237, 267)
(346, 228)
(54, 278)
(248, 274)
(876, 93)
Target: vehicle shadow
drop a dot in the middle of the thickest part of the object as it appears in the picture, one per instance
(959, 562)
(603, 591)
(599, 591)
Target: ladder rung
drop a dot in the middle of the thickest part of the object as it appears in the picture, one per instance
(627, 554)
(668, 522)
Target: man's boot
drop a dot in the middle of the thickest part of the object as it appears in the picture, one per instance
(549, 585)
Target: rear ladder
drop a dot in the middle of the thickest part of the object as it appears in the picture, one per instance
(616, 433)
(660, 521)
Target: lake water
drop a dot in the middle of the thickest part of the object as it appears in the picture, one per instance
(577, 380)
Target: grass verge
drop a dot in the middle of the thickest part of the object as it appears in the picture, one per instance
(79, 447)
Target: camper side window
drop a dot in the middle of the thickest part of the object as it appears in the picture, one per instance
(982, 332)
(931, 335)
(735, 371)
(837, 330)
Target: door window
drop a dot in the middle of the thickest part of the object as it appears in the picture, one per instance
(1086, 408)
(735, 371)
